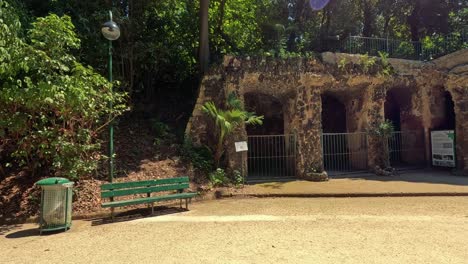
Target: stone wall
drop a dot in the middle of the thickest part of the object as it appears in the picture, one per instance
(299, 84)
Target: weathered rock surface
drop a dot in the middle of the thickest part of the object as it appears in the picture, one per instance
(300, 83)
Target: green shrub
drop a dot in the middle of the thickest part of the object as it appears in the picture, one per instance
(200, 156)
(238, 178)
(367, 63)
(52, 107)
(162, 133)
(387, 68)
(218, 178)
(160, 129)
(342, 64)
(405, 50)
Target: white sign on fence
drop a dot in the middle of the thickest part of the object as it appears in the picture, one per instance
(241, 146)
(443, 148)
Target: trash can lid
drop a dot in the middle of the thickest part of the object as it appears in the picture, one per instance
(53, 181)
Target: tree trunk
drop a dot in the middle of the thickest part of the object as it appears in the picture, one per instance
(368, 19)
(219, 151)
(413, 22)
(204, 52)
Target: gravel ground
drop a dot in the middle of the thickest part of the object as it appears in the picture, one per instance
(281, 230)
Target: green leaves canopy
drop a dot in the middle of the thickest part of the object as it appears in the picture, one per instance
(53, 107)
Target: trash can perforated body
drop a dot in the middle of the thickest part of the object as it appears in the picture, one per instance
(56, 204)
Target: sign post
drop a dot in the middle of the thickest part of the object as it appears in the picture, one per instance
(242, 147)
(443, 148)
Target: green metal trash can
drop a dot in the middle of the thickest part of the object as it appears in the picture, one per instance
(56, 204)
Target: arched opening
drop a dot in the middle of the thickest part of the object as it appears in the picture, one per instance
(443, 133)
(271, 154)
(448, 118)
(392, 110)
(406, 145)
(272, 111)
(333, 115)
(343, 150)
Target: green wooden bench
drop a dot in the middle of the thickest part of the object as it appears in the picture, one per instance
(112, 190)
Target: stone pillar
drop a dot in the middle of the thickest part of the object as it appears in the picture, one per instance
(308, 109)
(375, 115)
(461, 118)
(198, 128)
(354, 114)
(236, 160)
(427, 147)
(458, 87)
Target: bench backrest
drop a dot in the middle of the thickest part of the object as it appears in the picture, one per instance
(129, 188)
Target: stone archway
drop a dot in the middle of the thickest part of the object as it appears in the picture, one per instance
(272, 111)
(446, 113)
(444, 119)
(333, 114)
(343, 150)
(271, 152)
(392, 110)
(407, 144)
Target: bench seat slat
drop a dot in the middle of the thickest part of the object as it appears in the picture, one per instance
(161, 188)
(125, 185)
(149, 200)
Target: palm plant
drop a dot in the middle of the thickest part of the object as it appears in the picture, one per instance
(227, 120)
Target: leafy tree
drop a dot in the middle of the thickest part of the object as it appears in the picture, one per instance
(228, 120)
(53, 107)
(235, 26)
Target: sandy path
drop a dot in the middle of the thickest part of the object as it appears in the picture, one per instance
(357, 230)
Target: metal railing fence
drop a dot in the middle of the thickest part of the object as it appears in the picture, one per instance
(407, 148)
(428, 49)
(271, 156)
(344, 152)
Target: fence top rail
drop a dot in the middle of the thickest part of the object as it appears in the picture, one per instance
(265, 136)
(408, 131)
(385, 39)
(363, 132)
(348, 133)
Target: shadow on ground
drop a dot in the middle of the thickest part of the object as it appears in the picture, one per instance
(29, 233)
(5, 228)
(137, 214)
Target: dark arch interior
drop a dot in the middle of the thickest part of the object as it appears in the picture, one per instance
(449, 107)
(271, 153)
(333, 115)
(335, 146)
(393, 111)
(272, 111)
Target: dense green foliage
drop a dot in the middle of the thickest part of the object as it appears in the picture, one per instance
(53, 107)
(156, 56)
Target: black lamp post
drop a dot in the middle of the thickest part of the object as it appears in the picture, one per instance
(111, 31)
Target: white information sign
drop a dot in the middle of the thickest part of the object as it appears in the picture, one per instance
(241, 146)
(443, 148)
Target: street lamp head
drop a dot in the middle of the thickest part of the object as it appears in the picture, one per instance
(110, 30)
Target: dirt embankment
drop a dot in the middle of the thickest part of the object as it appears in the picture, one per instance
(138, 158)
